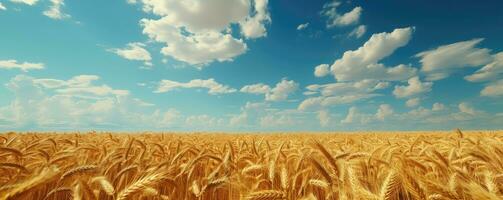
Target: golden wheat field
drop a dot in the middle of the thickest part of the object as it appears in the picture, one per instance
(419, 165)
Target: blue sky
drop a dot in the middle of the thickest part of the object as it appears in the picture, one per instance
(250, 65)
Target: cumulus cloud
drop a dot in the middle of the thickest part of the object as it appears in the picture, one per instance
(54, 10)
(260, 115)
(439, 63)
(79, 85)
(196, 49)
(467, 108)
(27, 2)
(341, 93)
(490, 71)
(493, 89)
(210, 84)
(47, 104)
(254, 26)
(358, 32)
(302, 26)
(384, 111)
(342, 88)
(279, 92)
(276, 120)
(134, 51)
(321, 70)
(2, 7)
(197, 31)
(355, 116)
(363, 63)
(414, 87)
(324, 117)
(258, 88)
(24, 66)
(337, 19)
(413, 102)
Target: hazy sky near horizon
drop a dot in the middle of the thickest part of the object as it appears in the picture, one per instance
(250, 65)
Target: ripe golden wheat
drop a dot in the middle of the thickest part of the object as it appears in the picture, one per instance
(113, 166)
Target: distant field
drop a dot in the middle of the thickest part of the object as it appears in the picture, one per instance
(412, 165)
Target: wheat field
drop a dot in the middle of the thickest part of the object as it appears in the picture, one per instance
(303, 166)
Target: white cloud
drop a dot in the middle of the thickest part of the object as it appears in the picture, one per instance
(413, 102)
(438, 107)
(384, 111)
(363, 63)
(439, 63)
(321, 70)
(249, 112)
(320, 102)
(272, 120)
(46, 104)
(324, 117)
(467, 108)
(414, 88)
(254, 27)
(197, 31)
(342, 88)
(358, 32)
(2, 7)
(493, 89)
(354, 116)
(302, 26)
(490, 71)
(279, 92)
(195, 49)
(25, 66)
(258, 88)
(54, 10)
(336, 19)
(238, 120)
(134, 51)
(27, 2)
(210, 84)
(79, 85)
(341, 93)
(348, 18)
(352, 113)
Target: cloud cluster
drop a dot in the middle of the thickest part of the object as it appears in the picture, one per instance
(341, 93)
(362, 63)
(280, 92)
(134, 51)
(302, 26)
(213, 87)
(358, 32)
(337, 19)
(27, 2)
(24, 66)
(439, 63)
(76, 103)
(383, 112)
(414, 88)
(489, 72)
(198, 32)
(260, 115)
(54, 10)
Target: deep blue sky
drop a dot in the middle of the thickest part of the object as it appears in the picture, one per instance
(80, 65)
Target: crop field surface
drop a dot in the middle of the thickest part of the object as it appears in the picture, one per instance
(296, 166)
